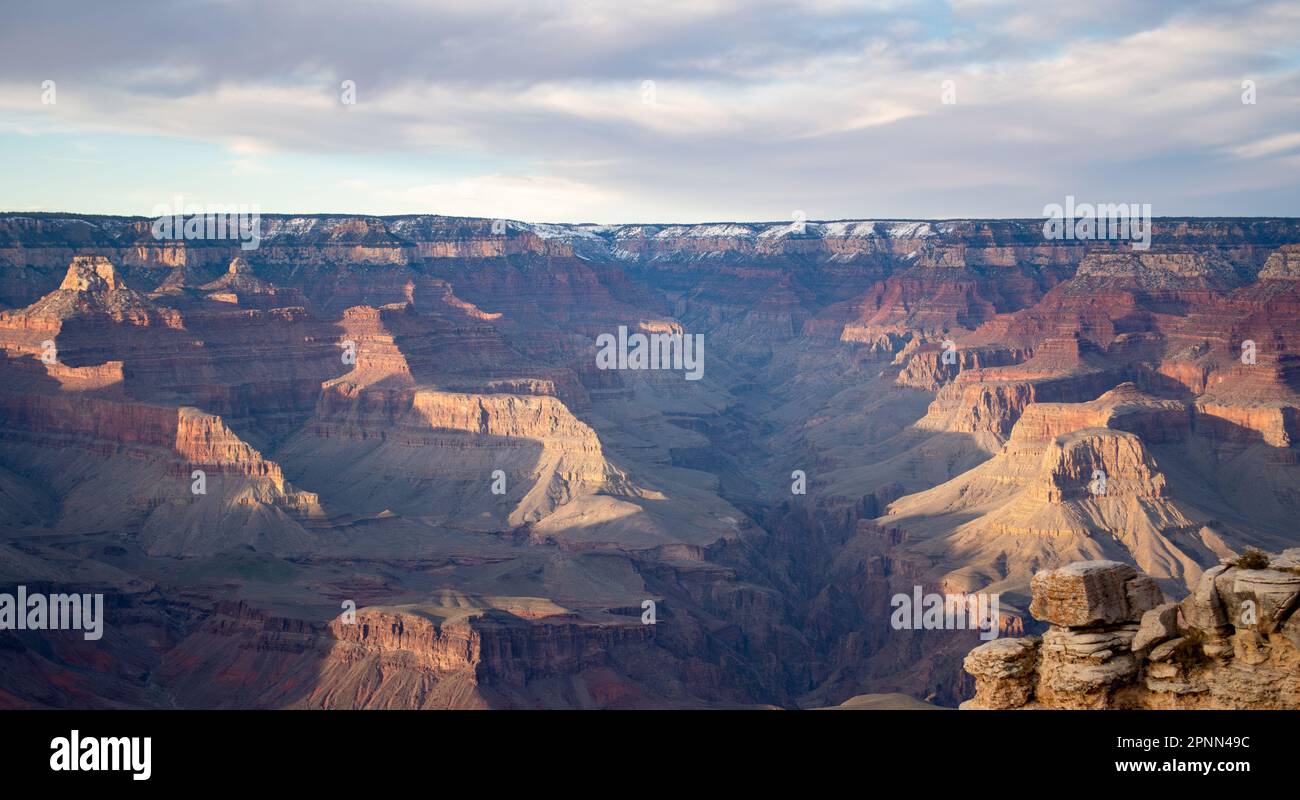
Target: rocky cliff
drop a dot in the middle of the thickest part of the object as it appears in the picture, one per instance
(1114, 643)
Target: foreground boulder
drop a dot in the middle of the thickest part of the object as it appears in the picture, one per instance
(1160, 624)
(1089, 593)
(1005, 671)
(1113, 643)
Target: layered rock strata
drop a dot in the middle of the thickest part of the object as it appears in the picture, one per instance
(1234, 643)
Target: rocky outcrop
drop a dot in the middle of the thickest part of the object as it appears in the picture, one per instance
(1092, 593)
(91, 274)
(470, 655)
(1156, 271)
(1273, 424)
(928, 368)
(1123, 408)
(433, 453)
(1284, 264)
(1074, 481)
(148, 459)
(91, 292)
(1233, 643)
(990, 400)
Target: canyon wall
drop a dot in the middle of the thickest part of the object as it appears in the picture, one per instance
(392, 411)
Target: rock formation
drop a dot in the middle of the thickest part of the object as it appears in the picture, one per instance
(1113, 643)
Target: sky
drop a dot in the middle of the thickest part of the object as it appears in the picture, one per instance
(666, 111)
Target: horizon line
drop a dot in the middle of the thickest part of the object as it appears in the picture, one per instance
(810, 221)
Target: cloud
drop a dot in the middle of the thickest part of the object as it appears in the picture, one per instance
(751, 109)
(1282, 143)
(525, 197)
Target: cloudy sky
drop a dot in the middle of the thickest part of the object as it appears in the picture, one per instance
(666, 111)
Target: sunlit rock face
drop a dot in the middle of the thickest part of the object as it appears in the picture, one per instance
(1232, 644)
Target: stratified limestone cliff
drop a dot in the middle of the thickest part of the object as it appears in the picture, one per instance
(1074, 482)
(926, 368)
(422, 451)
(467, 655)
(1234, 643)
(990, 399)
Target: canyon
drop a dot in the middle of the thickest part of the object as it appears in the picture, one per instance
(419, 489)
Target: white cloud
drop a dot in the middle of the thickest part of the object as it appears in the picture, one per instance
(1273, 145)
(830, 106)
(526, 197)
